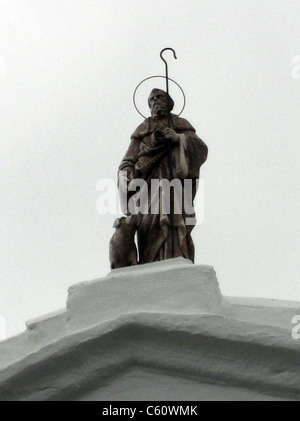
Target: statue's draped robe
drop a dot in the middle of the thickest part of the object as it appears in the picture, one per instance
(147, 159)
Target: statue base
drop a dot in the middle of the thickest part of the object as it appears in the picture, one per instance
(160, 331)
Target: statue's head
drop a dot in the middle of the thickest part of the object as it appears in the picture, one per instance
(160, 103)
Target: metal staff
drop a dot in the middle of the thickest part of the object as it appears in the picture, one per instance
(170, 148)
(167, 80)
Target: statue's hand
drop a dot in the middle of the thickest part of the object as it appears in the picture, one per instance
(172, 135)
(125, 178)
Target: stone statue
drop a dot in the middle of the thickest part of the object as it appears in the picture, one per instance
(163, 147)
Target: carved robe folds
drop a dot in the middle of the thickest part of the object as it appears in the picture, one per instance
(147, 159)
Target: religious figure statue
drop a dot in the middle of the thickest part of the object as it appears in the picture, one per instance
(163, 147)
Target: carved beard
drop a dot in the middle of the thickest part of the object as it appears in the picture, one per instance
(159, 111)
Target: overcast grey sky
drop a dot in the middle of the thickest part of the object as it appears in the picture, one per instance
(67, 73)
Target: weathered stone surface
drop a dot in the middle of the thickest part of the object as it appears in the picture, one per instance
(163, 147)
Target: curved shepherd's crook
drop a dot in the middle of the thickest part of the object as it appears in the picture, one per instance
(170, 148)
(167, 79)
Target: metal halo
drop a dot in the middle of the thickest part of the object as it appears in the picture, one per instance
(152, 77)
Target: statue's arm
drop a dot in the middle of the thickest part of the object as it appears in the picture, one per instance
(130, 158)
(191, 153)
(192, 143)
(126, 172)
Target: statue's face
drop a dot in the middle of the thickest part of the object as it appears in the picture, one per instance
(158, 104)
